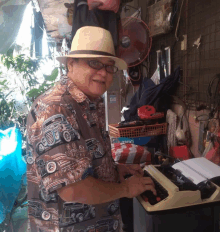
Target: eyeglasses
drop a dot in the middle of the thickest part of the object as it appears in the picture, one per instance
(99, 65)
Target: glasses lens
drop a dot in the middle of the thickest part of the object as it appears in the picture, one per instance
(95, 64)
(98, 65)
(111, 69)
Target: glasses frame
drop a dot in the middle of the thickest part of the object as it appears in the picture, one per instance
(103, 66)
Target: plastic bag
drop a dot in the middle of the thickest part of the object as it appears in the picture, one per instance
(127, 153)
(12, 168)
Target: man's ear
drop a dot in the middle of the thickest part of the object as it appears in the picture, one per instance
(70, 64)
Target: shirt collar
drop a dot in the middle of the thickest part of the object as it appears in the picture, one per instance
(78, 95)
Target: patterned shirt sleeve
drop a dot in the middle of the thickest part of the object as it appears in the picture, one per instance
(58, 147)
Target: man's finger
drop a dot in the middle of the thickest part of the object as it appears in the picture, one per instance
(135, 167)
(139, 167)
(151, 188)
(138, 174)
(121, 177)
(142, 165)
(148, 180)
(141, 171)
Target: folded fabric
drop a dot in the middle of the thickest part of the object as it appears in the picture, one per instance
(128, 153)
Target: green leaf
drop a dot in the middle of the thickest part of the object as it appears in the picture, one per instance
(33, 92)
(41, 88)
(7, 63)
(10, 51)
(3, 82)
(53, 75)
(9, 93)
(46, 77)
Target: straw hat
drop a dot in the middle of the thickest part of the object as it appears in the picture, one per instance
(93, 42)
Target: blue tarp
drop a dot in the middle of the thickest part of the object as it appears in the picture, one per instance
(12, 168)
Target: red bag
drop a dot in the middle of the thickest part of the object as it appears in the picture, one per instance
(180, 152)
(111, 5)
(214, 154)
(127, 153)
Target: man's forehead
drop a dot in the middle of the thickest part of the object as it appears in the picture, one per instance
(111, 61)
(107, 60)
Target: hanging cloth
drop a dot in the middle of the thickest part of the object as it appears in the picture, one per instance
(11, 15)
(38, 33)
(106, 19)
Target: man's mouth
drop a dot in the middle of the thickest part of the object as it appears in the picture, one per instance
(101, 82)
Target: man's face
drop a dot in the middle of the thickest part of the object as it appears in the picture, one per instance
(90, 81)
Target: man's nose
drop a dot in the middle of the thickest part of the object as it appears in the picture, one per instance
(102, 71)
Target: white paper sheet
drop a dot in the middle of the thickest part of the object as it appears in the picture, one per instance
(198, 169)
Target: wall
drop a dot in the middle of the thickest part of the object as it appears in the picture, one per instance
(199, 64)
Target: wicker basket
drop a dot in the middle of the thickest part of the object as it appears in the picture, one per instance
(137, 131)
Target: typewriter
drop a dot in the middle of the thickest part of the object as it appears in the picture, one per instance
(187, 183)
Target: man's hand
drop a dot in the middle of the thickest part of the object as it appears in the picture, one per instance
(126, 169)
(138, 184)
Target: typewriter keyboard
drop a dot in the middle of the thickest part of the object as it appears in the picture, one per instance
(149, 196)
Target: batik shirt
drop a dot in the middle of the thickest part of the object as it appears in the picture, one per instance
(66, 143)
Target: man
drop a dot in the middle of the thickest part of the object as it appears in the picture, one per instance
(73, 182)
